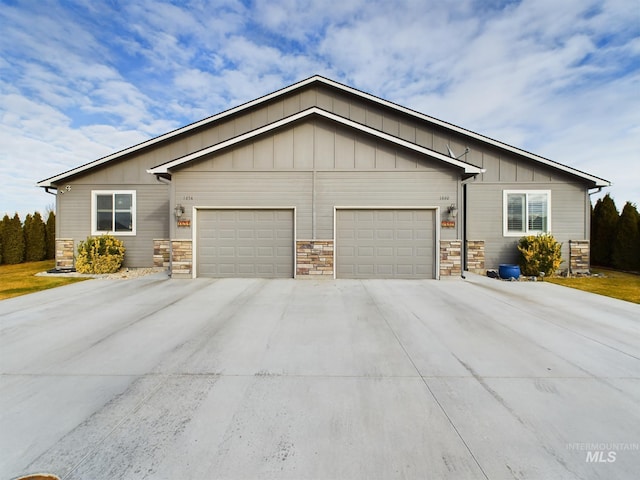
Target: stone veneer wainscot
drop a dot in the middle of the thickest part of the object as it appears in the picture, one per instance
(450, 258)
(314, 258)
(181, 258)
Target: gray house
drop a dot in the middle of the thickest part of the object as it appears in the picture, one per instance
(320, 179)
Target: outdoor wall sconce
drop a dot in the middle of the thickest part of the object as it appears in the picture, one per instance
(453, 211)
(179, 211)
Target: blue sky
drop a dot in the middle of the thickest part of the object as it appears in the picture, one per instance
(82, 79)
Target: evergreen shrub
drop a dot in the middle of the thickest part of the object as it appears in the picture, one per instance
(539, 254)
(103, 254)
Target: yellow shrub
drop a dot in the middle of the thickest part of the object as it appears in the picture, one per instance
(539, 254)
(103, 254)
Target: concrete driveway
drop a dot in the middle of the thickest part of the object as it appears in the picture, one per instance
(203, 379)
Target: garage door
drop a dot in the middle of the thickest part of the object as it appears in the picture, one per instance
(245, 243)
(385, 243)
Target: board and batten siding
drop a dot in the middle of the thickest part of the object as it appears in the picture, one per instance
(569, 208)
(152, 213)
(335, 101)
(315, 166)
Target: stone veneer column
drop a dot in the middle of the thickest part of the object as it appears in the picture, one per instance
(161, 253)
(450, 258)
(475, 256)
(181, 258)
(64, 253)
(579, 251)
(314, 258)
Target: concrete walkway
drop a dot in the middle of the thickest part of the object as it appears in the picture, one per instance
(244, 379)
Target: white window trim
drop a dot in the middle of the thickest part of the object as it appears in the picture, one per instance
(94, 202)
(505, 213)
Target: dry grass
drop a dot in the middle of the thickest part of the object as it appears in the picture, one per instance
(624, 286)
(20, 279)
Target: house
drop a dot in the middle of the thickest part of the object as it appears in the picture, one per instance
(321, 179)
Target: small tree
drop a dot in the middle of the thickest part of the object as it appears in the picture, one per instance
(625, 253)
(50, 236)
(34, 238)
(603, 230)
(13, 240)
(539, 254)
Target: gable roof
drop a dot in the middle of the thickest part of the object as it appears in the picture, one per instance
(314, 111)
(596, 181)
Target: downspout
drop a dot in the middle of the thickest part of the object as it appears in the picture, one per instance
(464, 229)
(464, 184)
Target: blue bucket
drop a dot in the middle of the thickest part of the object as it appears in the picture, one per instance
(507, 271)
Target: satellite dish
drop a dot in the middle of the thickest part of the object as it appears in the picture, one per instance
(451, 154)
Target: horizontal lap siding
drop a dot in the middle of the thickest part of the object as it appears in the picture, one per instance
(245, 189)
(485, 218)
(152, 213)
(382, 189)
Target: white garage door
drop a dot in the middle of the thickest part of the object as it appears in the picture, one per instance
(385, 243)
(245, 243)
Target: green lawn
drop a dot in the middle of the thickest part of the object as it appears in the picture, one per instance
(20, 279)
(625, 286)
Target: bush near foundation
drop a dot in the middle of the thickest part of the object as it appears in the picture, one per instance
(103, 254)
(539, 254)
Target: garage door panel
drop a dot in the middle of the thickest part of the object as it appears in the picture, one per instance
(384, 234)
(245, 243)
(408, 252)
(225, 268)
(265, 234)
(365, 233)
(222, 233)
(409, 216)
(385, 243)
(365, 269)
(405, 269)
(384, 269)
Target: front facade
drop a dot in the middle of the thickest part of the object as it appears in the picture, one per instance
(321, 180)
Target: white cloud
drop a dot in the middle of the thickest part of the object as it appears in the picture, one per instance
(85, 79)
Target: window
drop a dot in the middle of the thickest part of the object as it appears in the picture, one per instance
(113, 212)
(526, 212)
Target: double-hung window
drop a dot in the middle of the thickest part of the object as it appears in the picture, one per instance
(113, 212)
(526, 212)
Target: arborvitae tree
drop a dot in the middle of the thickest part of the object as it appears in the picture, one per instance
(13, 241)
(603, 230)
(26, 227)
(625, 253)
(34, 238)
(50, 236)
(4, 221)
